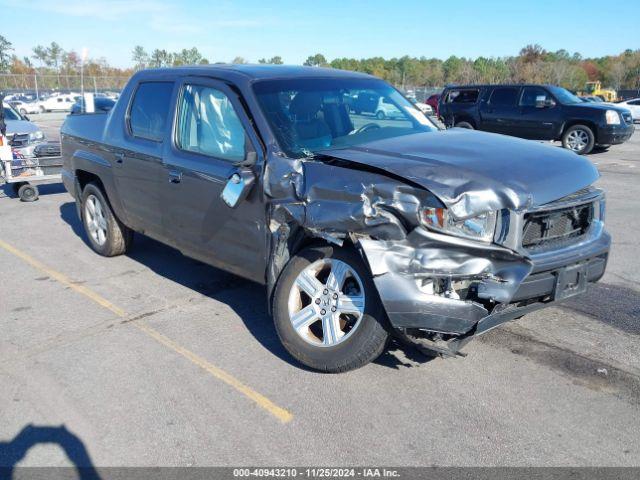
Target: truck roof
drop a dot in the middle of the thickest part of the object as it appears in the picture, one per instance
(250, 72)
(492, 85)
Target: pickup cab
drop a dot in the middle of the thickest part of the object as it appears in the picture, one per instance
(537, 112)
(358, 227)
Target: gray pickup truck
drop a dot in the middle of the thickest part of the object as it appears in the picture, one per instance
(359, 227)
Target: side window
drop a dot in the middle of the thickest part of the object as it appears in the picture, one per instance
(504, 96)
(635, 102)
(208, 124)
(530, 94)
(149, 110)
(463, 96)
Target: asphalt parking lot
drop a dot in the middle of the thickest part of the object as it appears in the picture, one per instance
(156, 359)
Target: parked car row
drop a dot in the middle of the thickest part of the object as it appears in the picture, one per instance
(27, 104)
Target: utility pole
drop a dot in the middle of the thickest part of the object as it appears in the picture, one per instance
(82, 59)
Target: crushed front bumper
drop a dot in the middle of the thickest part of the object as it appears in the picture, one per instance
(503, 284)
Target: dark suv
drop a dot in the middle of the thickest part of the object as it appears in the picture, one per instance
(537, 112)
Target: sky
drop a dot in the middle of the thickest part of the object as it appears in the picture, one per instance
(295, 29)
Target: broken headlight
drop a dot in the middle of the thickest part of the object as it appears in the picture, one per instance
(481, 227)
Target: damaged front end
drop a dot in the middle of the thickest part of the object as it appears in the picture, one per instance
(437, 288)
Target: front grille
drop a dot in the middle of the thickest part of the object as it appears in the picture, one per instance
(556, 227)
(47, 150)
(628, 119)
(19, 140)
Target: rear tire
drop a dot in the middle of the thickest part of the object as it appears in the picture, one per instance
(16, 186)
(353, 340)
(28, 193)
(579, 139)
(464, 124)
(380, 115)
(107, 235)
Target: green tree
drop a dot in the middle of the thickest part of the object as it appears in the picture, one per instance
(40, 53)
(140, 57)
(317, 60)
(188, 57)
(160, 58)
(5, 56)
(239, 60)
(54, 55)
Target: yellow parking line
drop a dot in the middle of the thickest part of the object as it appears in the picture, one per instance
(280, 413)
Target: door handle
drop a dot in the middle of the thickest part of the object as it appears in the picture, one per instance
(175, 176)
(119, 157)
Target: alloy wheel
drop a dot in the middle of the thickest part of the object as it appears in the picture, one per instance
(326, 302)
(96, 219)
(577, 140)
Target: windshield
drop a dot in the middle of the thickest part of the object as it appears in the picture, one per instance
(309, 115)
(564, 96)
(10, 113)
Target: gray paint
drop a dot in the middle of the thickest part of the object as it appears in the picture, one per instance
(369, 196)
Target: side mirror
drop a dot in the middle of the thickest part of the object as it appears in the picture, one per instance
(550, 102)
(238, 187)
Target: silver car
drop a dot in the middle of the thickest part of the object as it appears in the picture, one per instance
(23, 135)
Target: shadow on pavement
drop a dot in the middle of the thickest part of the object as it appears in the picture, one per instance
(15, 450)
(246, 298)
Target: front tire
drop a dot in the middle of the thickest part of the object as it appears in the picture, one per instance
(107, 235)
(380, 115)
(327, 311)
(579, 139)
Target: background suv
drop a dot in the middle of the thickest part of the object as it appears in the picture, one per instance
(537, 112)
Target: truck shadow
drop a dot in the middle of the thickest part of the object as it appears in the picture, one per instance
(16, 449)
(247, 299)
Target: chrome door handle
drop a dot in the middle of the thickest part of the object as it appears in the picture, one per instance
(175, 176)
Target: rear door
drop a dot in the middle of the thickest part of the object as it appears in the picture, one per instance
(499, 110)
(212, 136)
(539, 119)
(137, 167)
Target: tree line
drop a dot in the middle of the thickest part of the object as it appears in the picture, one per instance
(533, 64)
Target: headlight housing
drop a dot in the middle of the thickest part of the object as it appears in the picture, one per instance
(35, 136)
(612, 117)
(481, 227)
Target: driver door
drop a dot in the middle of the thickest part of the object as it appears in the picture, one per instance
(213, 146)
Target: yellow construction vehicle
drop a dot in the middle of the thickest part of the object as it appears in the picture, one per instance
(595, 89)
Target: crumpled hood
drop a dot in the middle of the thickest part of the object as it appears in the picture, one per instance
(473, 172)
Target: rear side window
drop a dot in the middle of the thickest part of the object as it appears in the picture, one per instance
(504, 96)
(463, 96)
(149, 110)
